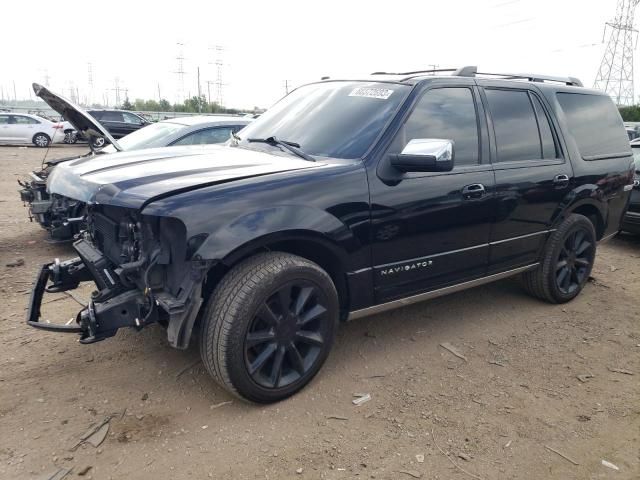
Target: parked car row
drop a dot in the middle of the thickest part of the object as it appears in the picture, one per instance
(346, 199)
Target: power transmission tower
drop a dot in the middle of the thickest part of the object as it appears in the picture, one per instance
(118, 89)
(180, 72)
(615, 75)
(219, 63)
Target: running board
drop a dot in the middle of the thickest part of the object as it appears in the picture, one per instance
(383, 307)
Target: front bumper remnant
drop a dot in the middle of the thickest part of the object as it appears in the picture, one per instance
(104, 314)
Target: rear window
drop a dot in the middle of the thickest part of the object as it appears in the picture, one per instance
(595, 124)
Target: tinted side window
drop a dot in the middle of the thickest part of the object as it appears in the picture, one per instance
(515, 126)
(447, 113)
(4, 119)
(205, 137)
(131, 118)
(549, 149)
(112, 117)
(595, 124)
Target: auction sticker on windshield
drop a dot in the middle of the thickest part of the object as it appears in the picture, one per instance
(371, 92)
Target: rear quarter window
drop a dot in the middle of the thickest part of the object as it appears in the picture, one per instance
(595, 124)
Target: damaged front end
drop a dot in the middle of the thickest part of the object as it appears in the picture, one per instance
(62, 217)
(140, 267)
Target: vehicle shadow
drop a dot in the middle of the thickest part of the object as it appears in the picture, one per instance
(371, 346)
(626, 240)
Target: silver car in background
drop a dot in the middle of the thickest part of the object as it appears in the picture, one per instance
(196, 130)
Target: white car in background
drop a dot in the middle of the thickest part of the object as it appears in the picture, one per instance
(20, 128)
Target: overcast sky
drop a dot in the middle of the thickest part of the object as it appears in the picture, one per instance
(268, 42)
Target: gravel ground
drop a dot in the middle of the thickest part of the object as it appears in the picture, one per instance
(514, 407)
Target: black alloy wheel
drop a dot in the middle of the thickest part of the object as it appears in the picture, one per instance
(566, 261)
(269, 325)
(286, 335)
(574, 261)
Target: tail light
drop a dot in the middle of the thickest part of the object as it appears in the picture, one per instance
(58, 125)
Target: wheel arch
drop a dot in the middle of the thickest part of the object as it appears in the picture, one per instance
(587, 202)
(308, 244)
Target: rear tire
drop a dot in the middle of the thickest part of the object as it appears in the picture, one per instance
(566, 262)
(269, 326)
(41, 140)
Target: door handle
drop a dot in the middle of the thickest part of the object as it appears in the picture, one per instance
(561, 180)
(475, 190)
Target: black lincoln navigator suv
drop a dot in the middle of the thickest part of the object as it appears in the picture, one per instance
(345, 199)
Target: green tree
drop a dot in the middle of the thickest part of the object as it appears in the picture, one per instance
(195, 104)
(127, 105)
(631, 113)
(164, 105)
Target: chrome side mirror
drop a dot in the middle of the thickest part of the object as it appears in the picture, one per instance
(425, 155)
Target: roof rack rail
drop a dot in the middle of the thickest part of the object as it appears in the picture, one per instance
(472, 71)
(437, 70)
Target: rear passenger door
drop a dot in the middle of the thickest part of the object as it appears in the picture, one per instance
(23, 128)
(532, 174)
(113, 122)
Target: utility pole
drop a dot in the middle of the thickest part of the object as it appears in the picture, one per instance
(199, 94)
(159, 96)
(286, 87)
(209, 82)
(15, 95)
(90, 82)
(615, 75)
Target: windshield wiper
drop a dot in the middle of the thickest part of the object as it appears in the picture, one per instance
(291, 146)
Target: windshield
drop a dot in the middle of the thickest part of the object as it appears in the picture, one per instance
(154, 135)
(330, 119)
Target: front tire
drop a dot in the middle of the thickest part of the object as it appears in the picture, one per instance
(566, 263)
(41, 140)
(269, 326)
(97, 142)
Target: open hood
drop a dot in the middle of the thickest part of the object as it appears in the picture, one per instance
(132, 179)
(81, 120)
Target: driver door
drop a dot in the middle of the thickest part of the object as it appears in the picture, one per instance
(431, 229)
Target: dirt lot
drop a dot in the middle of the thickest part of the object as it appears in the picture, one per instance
(498, 414)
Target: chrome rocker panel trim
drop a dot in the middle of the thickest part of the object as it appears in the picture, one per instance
(383, 307)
